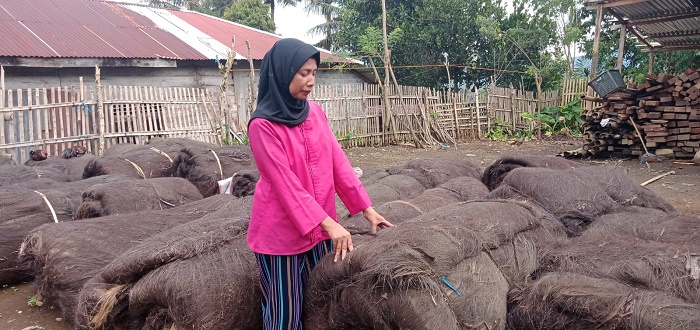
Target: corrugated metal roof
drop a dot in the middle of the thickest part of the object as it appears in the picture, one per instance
(100, 29)
(223, 31)
(670, 23)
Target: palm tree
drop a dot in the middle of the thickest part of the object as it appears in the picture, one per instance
(284, 3)
(327, 9)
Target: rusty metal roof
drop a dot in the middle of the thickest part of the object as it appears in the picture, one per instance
(661, 25)
(101, 29)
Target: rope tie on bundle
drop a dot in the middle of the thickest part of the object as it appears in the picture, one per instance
(162, 153)
(221, 171)
(53, 213)
(411, 205)
(138, 169)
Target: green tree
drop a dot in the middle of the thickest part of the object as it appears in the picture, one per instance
(330, 11)
(251, 13)
(428, 30)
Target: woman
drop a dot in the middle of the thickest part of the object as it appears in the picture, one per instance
(293, 222)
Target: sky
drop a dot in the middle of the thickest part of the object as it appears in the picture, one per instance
(293, 22)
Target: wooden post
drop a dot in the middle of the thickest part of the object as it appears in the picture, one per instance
(251, 85)
(100, 115)
(82, 114)
(621, 49)
(454, 115)
(651, 62)
(387, 59)
(478, 112)
(538, 83)
(512, 106)
(596, 41)
(2, 77)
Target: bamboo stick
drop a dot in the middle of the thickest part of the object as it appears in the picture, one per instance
(656, 178)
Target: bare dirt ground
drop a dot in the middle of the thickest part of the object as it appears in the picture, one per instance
(681, 189)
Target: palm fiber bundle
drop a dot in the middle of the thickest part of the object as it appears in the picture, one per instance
(205, 167)
(200, 275)
(494, 173)
(434, 172)
(622, 188)
(64, 256)
(645, 249)
(137, 161)
(135, 196)
(393, 187)
(72, 167)
(173, 146)
(17, 174)
(565, 301)
(578, 196)
(23, 209)
(444, 270)
(459, 189)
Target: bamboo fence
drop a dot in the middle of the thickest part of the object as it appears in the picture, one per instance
(100, 116)
(56, 118)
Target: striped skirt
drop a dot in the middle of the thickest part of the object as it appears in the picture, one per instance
(282, 281)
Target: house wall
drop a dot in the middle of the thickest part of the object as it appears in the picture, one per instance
(201, 75)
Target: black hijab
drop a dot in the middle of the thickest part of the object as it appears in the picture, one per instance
(278, 67)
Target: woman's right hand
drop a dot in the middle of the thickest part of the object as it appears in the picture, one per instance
(342, 240)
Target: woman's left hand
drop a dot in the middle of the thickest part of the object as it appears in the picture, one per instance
(375, 219)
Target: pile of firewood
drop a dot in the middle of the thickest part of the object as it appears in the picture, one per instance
(661, 113)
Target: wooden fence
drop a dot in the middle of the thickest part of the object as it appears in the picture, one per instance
(56, 118)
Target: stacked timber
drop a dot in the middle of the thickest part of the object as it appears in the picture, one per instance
(661, 113)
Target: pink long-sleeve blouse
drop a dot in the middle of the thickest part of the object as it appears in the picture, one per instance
(301, 169)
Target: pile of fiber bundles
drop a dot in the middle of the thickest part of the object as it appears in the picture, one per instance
(64, 256)
(636, 269)
(199, 275)
(450, 268)
(577, 196)
(24, 209)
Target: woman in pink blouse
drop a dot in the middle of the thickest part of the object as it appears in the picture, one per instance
(302, 166)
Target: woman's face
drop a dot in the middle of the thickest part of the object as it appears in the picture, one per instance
(304, 80)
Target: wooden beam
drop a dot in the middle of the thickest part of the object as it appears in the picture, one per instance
(675, 34)
(617, 3)
(631, 28)
(671, 48)
(651, 62)
(621, 47)
(596, 42)
(639, 36)
(660, 19)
